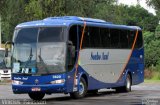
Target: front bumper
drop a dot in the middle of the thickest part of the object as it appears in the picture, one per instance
(47, 88)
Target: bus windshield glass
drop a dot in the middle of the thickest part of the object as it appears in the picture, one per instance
(39, 50)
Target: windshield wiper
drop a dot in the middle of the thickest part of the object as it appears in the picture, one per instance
(29, 60)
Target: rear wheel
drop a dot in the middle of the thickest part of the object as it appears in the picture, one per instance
(127, 87)
(36, 96)
(82, 90)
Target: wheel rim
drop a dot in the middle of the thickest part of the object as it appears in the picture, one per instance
(128, 83)
(81, 88)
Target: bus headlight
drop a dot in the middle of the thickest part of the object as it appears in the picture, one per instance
(15, 82)
(60, 81)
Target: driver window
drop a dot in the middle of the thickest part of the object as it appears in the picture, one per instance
(72, 47)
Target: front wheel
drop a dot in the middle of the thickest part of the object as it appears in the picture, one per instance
(82, 90)
(36, 96)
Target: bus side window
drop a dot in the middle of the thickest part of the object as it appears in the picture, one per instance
(123, 39)
(86, 38)
(131, 38)
(105, 37)
(115, 38)
(95, 37)
(139, 42)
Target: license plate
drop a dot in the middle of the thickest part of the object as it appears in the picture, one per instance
(36, 89)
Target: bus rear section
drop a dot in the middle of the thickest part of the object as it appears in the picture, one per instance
(112, 57)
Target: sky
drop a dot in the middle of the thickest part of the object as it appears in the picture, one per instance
(134, 2)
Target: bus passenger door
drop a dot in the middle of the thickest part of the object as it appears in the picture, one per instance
(72, 54)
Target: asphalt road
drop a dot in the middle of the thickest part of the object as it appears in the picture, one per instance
(143, 94)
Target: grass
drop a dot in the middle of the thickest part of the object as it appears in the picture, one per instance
(154, 77)
(151, 81)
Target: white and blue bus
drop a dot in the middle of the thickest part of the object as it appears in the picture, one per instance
(75, 55)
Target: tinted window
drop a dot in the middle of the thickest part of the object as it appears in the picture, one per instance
(115, 38)
(26, 35)
(105, 37)
(72, 47)
(51, 34)
(95, 37)
(92, 37)
(124, 39)
(86, 38)
(139, 42)
(73, 35)
(131, 38)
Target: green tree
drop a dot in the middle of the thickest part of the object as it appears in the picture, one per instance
(152, 53)
(17, 11)
(157, 31)
(12, 14)
(136, 15)
(40, 9)
(156, 5)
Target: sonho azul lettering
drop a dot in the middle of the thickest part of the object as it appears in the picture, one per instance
(99, 56)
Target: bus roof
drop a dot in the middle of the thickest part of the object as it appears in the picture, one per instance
(70, 20)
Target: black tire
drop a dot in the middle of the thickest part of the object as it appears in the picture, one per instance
(36, 96)
(127, 87)
(81, 93)
(93, 91)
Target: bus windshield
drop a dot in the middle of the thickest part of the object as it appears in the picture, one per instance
(39, 50)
